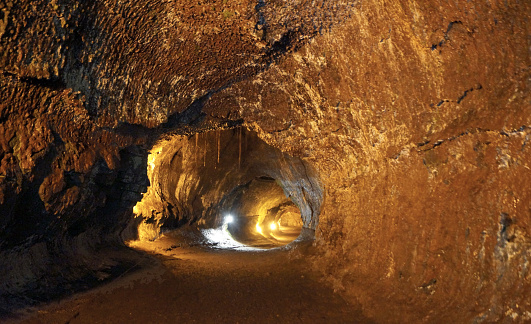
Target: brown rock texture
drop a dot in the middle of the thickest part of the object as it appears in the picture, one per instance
(419, 127)
(201, 178)
(415, 118)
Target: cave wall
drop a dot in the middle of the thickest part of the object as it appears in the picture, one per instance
(66, 190)
(415, 115)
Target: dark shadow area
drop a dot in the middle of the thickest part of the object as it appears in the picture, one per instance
(115, 262)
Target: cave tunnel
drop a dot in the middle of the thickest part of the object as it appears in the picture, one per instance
(265, 161)
(229, 179)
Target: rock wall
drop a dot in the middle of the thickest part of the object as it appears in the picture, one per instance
(66, 190)
(416, 116)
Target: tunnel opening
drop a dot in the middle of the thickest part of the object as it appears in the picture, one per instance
(260, 214)
(228, 188)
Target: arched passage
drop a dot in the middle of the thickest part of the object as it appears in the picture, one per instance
(254, 211)
(199, 179)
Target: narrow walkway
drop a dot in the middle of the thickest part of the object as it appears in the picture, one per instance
(206, 285)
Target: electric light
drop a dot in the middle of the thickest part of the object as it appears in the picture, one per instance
(229, 219)
(258, 228)
(273, 226)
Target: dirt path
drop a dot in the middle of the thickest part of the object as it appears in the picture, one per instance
(205, 285)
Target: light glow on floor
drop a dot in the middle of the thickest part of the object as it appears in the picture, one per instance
(222, 239)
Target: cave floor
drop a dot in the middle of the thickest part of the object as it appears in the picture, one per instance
(201, 284)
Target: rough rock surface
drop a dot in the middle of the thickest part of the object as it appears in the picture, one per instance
(201, 178)
(416, 117)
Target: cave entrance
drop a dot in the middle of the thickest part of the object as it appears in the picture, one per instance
(230, 186)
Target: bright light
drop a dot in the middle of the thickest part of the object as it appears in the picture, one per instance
(258, 228)
(229, 219)
(273, 226)
(223, 240)
(151, 161)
